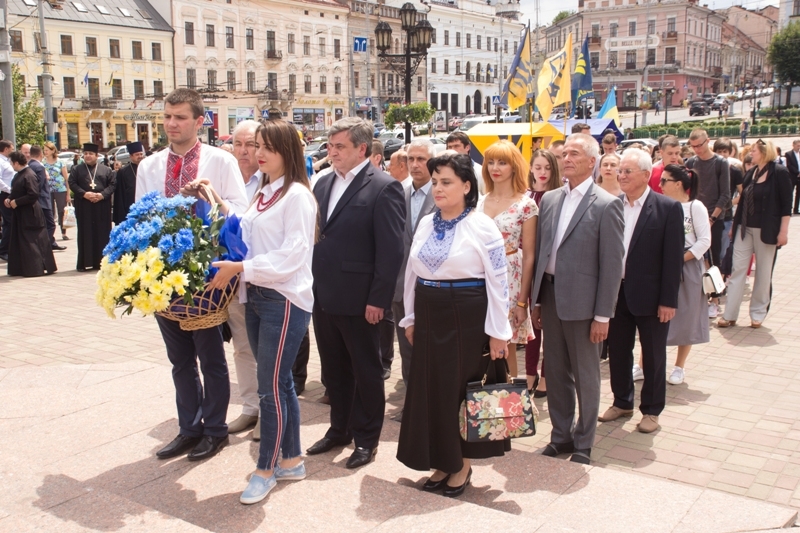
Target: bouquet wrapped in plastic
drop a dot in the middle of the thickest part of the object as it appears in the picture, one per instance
(158, 261)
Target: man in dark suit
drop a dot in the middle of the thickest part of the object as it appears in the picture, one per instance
(648, 295)
(419, 203)
(355, 267)
(793, 164)
(125, 192)
(45, 199)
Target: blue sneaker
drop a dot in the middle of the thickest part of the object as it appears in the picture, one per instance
(257, 489)
(291, 474)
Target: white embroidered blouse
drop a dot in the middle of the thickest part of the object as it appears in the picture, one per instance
(474, 248)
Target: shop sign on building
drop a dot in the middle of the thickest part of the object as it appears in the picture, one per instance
(632, 43)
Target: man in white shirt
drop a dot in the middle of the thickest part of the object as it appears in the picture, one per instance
(244, 150)
(793, 164)
(182, 169)
(577, 273)
(398, 168)
(648, 295)
(355, 266)
(6, 175)
(459, 141)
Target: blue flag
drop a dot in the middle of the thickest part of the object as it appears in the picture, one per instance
(609, 109)
(582, 77)
(519, 84)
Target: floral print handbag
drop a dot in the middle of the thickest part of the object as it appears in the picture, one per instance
(496, 412)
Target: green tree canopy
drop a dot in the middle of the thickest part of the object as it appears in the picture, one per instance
(782, 54)
(562, 15)
(28, 115)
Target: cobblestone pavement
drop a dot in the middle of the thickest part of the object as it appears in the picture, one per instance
(733, 426)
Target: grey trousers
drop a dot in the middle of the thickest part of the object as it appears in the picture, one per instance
(398, 310)
(573, 369)
(761, 295)
(243, 359)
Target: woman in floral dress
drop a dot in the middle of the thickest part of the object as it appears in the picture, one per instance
(505, 174)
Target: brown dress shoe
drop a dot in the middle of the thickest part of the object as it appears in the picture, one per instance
(613, 412)
(648, 424)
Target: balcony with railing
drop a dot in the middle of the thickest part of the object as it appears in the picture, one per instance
(630, 65)
(594, 40)
(470, 77)
(716, 72)
(274, 95)
(671, 36)
(273, 55)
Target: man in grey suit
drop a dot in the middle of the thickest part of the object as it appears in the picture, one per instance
(419, 203)
(577, 274)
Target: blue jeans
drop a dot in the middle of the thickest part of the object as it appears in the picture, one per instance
(275, 328)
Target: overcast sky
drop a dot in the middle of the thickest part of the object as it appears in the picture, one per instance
(549, 9)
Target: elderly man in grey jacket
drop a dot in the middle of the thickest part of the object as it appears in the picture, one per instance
(576, 281)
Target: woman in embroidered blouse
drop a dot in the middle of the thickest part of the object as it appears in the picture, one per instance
(543, 177)
(505, 176)
(689, 325)
(279, 229)
(456, 294)
(57, 176)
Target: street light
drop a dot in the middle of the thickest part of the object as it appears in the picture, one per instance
(418, 40)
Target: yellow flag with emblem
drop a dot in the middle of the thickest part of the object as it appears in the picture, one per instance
(554, 85)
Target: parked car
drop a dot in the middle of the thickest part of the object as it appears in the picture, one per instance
(707, 98)
(455, 122)
(720, 101)
(470, 123)
(699, 107)
(391, 143)
(438, 144)
(648, 143)
(67, 158)
(119, 153)
(316, 149)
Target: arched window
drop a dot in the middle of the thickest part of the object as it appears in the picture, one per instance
(478, 74)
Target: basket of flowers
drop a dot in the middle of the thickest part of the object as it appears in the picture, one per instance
(158, 261)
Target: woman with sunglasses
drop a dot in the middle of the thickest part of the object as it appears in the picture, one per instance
(690, 325)
(760, 227)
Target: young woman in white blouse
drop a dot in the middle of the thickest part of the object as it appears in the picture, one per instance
(279, 229)
(456, 294)
(690, 325)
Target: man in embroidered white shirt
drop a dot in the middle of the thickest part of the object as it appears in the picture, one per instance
(355, 266)
(184, 168)
(577, 273)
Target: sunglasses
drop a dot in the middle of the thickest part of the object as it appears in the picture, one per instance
(665, 180)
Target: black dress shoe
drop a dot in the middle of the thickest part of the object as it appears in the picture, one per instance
(179, 445)
(325, 445)
(58, 247)
(452, 492)
(4, 257)
(554, 449)
(581, 456)
(387, 373)
(433, 486)
(207, 447)
(361, 456)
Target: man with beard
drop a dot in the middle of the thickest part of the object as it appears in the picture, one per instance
(92, 186)
(125, 191)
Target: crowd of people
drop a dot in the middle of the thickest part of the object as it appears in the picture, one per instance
(573, 254)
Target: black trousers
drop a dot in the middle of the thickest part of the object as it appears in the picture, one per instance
(796, 195)
(387, 338)
(50, 224)
(621, 341)
(300, 368)
(7, 214)
(201, 410)
(349, 350)
(405, 347)
(716, 240)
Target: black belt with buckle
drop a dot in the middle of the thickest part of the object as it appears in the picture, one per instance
(549, 278)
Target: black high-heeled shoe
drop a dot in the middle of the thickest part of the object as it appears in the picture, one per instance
(533, 387)
(540, 394)
(434, 486)
(452, 492)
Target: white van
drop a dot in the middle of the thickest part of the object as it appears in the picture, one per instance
(470, 123)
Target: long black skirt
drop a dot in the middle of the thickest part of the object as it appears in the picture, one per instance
(449, 343)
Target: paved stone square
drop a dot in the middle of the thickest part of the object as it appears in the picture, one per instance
(86, 401)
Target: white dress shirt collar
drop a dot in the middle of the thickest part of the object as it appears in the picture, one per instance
(352, 173)
(639, 202)
(424, 189)
(579, 190)
(269, 189)
(251, 185)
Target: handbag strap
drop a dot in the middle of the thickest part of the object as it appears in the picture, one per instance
(489, 364)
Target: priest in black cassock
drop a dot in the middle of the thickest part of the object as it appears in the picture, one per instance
(92, 186)
(125, 191)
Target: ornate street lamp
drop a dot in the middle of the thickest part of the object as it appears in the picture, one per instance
(418, 40)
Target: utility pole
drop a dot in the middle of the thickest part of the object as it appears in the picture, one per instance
(47, 78)
(646, 61)
(6, 81)
(367, 7)
(500, 78)
(352, 74)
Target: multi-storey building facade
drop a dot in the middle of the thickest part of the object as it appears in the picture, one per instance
(647, 44)
(111, 63)
(743, 60)
(473, 46)
(789, 11)
(248, 57)
(759, 25)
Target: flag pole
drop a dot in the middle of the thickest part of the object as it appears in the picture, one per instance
(565, 116)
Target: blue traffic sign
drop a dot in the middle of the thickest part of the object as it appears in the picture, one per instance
(359, 44)
(495, 100)
(208, 119)
(265, 113)
(367, 101)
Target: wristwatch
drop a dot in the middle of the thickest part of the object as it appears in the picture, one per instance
(523, 305)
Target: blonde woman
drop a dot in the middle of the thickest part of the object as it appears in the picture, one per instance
(609, 174)
(505, 175)
(57, 176)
